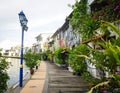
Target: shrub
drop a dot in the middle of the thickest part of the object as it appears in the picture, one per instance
(78, 63)
(31, 59)
(61, 55)
(3, 74)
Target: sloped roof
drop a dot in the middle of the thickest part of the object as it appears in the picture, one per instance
(64, 27)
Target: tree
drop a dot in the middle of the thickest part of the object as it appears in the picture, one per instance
(3, 74)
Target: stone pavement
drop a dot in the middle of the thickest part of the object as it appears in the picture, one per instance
(60, 80)
(36, 83)
(49, 78)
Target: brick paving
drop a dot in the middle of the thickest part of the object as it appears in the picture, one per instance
(36, 83)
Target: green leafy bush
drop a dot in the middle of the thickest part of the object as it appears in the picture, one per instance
(82, 21)
(108, 60)
(76, 62)
(31, 59)
(61, 55)
(3, 74)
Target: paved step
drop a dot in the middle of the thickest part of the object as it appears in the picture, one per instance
(67, 90)
(67, 86)
(60, 80)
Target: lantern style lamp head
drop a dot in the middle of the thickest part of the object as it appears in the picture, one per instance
(23, 19)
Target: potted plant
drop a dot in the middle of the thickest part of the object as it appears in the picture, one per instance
(31, 60)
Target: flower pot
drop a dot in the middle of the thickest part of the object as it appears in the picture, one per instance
(36, 67)
(77, 73)
(31, 71)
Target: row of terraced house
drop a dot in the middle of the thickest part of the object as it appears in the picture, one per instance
(68, 37)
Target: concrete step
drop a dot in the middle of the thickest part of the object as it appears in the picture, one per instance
(67, 90)
(67, 86)
(62, 81)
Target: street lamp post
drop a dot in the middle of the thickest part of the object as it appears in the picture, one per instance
(23, 22)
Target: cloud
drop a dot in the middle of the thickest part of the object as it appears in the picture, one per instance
(43, 16)
(38, 22)
(6, 44)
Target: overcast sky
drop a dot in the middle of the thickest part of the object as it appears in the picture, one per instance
(44, 16)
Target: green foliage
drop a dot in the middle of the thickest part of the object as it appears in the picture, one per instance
(107, 10)
(88, 27)
(100, 84)
(59, 61)
(79, 10)
(78, 63)
(50, 56)
(61, 55)
(99, 58)
(109, 26)
(116, 41)
(3, 74)
(112, 53)
(58, 52)
(105, 60)
(117, 79)
(111, 85)
(31, 59)
(82, 21)
(90, 79)
(108, 60)
(46, 55)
